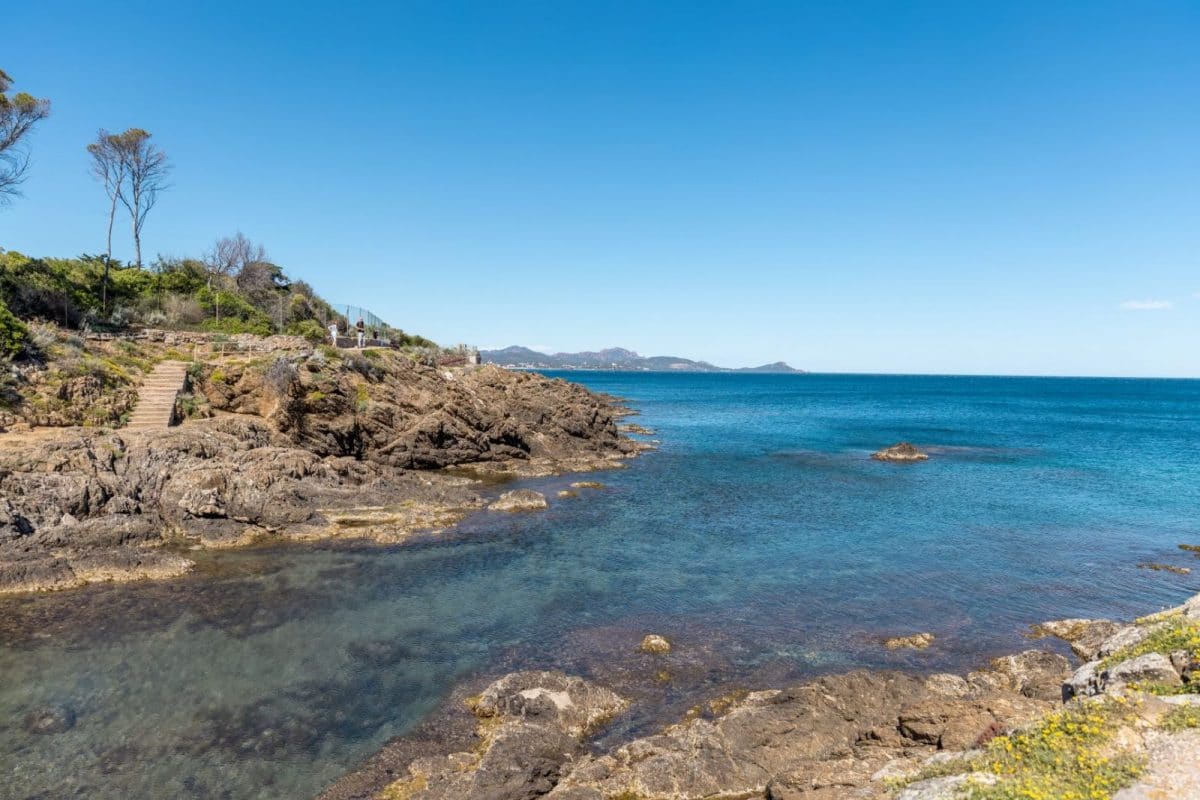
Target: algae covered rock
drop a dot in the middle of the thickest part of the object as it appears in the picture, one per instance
(519, 500)
(902, 452)
(654, 644)
(916, 641)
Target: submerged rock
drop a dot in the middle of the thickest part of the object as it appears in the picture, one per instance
(49, 719)
(655, 644)
(917, 641)
(903, 451)
(519, 500)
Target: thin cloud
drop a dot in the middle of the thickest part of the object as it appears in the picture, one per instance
(1147, 305)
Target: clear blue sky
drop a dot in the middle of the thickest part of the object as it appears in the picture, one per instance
(904, 187)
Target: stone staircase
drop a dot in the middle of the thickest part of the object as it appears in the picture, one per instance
(156, 396)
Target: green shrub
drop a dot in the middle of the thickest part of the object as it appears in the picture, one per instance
(310, 329)
(13, 333)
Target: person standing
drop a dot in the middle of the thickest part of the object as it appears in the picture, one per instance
(362, 332)
(333, 333)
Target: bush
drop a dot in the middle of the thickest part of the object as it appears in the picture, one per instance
(310, 329)
(13, 333)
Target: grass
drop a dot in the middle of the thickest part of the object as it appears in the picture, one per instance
(1181, 719)
(1175, 633)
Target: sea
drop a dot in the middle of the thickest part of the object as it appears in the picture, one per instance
(759, 537)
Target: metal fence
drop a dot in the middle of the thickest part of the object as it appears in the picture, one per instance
(349, 315)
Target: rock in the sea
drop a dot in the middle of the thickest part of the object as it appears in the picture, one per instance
(49, 719)
(917, 641)
(519, 500)
(902, 451)
(568, 493)
(587, 485)
(655, 644)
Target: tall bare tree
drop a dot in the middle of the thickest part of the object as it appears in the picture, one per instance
(18, 114)
(110, 168)
(230, 255)
(146, 168)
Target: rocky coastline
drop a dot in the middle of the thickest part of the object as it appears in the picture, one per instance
(292, 444)
(1123, 722)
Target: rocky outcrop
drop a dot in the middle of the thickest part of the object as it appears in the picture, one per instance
(903, 452)
(823, 739)
(530, 724)
(286, 458)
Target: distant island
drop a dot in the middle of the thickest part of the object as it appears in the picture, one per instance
(616, 358)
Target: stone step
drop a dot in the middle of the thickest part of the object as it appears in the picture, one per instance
(156, 396)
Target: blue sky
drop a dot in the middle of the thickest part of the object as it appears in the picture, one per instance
(891, 187)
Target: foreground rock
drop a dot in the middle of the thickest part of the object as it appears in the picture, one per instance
(530, 725)
(817, 740)
(903, 452)
(300, 446)
(864, 735)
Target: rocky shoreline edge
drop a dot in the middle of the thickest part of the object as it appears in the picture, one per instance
(299, 444)
(1124, 723)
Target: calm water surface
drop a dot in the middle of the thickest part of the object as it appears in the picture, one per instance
(759, 534)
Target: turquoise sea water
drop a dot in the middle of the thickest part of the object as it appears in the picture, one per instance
(760, 537)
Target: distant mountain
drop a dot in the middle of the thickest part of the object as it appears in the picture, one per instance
(614, 358)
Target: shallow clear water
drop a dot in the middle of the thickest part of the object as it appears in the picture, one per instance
(760, 537)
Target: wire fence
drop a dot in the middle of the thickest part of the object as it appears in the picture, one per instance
(349, 315)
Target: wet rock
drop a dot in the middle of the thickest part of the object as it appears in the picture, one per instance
(49, 720)
(1084, 635)
(902, 452)
(587, 485)
(1165, 568)
(916, 641)
(654, 644)
(519, 500)
(566, 493)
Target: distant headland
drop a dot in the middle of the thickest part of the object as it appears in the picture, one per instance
(617, 359)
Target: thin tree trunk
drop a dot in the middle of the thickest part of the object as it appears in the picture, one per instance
(112, 215)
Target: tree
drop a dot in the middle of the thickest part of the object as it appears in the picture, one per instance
(230, 255)
(110, 168)
(146, 169)
(18, 115)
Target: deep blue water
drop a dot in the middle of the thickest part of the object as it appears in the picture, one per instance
(760, 537)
